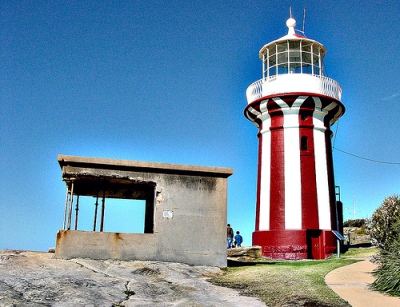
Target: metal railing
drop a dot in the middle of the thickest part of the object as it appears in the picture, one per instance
(287, 83)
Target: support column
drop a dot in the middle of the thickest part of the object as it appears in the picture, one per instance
(76, 213)
(95, 212)
(65, 208)
(103, 204)
(70, 206)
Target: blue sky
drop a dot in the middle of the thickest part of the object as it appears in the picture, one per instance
(165, 81)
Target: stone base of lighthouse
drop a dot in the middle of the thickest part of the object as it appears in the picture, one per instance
(296, 244)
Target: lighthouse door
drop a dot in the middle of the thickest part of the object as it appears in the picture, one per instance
(314, 244)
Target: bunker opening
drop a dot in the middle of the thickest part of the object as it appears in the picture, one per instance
(109, 204)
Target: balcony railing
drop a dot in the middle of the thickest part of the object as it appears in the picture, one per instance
(294, 83)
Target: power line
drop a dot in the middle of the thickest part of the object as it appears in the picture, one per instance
(359, 157)
(335, 134)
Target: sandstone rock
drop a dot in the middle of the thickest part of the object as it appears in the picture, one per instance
(247, 252)
(37, 279)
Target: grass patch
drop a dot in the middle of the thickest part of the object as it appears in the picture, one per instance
(291, 283)
(360, 252)
(286, 283)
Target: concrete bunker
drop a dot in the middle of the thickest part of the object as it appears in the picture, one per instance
(184, 211)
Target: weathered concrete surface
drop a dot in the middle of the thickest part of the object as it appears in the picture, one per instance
(38, 279)
(184, 205)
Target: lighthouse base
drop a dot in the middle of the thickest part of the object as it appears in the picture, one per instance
(296, 244)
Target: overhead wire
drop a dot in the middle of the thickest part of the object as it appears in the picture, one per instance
(335, 134)
(357, 156)
(371, 160)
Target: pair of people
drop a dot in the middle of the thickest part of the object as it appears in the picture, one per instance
(232, 242)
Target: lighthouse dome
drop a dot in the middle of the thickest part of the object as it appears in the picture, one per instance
(292, 53)
(293, 63)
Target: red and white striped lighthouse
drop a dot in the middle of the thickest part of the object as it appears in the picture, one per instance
(294, 106)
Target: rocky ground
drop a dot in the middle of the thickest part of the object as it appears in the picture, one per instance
(37, 279)
(356, 236)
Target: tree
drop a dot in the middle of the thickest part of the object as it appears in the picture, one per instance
(384, 229)
(381, 227)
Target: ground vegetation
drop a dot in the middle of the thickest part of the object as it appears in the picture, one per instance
(355, 223)
(286, 283)
(384, 229)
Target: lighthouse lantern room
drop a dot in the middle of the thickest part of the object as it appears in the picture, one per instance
(294, 106)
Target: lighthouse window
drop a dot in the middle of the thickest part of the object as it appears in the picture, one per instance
(304, 143)
(295, 56)
(307, 69)
(316, 57)
(282, 47)
(306, 47)
(306, 57)
(283, 58)
(299, 56)
(272, 59)
(272, 71)
(282, 69)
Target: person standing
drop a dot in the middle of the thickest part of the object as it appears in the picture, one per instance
(229, 236)
(238, 239)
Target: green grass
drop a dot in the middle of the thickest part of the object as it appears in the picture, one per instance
(360, 252)
(286, 283)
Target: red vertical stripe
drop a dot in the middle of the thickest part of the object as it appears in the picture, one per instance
(260, 141)
(277, 193)
(309, 199)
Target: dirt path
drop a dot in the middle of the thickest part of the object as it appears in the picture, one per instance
(351, 283)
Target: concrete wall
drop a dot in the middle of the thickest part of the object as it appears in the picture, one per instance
(189, 215)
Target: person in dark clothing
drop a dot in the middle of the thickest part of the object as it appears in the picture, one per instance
(238, 239)
(229, 236)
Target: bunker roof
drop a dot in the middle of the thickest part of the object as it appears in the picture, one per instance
(151, 167)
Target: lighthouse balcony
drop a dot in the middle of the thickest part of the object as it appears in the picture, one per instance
(294, 83)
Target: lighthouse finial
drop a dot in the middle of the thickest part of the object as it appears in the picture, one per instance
(291, 23)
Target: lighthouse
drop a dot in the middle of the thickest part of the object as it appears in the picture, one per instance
(294, 106)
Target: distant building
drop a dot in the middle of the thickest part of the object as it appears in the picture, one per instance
(294, 106)
(185, 211)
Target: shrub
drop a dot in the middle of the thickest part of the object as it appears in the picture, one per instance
(362, 230)
(380, 226)
(384, 229)
(354, 223)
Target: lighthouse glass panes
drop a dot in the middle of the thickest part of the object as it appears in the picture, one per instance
(300, 56)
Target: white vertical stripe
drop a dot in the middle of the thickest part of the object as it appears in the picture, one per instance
(263, 107)
(292, 173)
(321, 170)
(265, 177)
(293, 216)
(253, 111)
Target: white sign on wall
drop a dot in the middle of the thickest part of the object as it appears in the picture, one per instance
(168, 214)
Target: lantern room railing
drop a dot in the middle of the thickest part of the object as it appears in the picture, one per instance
(294, 83)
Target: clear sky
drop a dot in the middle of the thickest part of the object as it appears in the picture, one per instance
(165, 81)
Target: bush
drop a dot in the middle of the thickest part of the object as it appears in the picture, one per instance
(388, 272)
(384, 229)
(361, 230)
(354, 223)
(380, 226)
